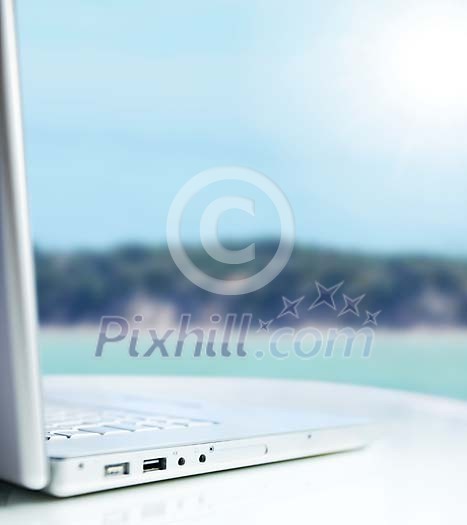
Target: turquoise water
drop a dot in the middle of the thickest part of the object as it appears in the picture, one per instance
(434, 363)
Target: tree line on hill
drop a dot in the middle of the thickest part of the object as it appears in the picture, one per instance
(83, 285)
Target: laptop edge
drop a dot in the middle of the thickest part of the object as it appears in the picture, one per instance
(21, 432)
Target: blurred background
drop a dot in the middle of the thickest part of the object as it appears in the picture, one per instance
(357, 110)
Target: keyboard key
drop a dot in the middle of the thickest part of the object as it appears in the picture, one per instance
(54, 437)
(131, 427)
(75, 434)
(200, 423)
(89, 420)
(103, 430)
(167, 422)
(173, 426)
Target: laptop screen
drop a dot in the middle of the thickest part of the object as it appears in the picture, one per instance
(250, 188)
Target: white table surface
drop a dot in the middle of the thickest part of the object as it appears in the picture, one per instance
(416, 473)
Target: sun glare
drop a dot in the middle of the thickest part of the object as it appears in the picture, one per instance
(426, 60)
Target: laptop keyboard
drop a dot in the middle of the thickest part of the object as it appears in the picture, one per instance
(76, 423)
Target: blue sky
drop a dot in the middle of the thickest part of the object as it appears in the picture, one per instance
(125, 101)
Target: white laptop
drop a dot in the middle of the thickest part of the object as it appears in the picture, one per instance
(77, 442)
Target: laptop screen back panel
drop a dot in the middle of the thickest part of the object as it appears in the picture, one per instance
(22, 450)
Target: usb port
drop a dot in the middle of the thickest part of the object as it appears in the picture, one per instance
(120, 469)
(149, 465)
